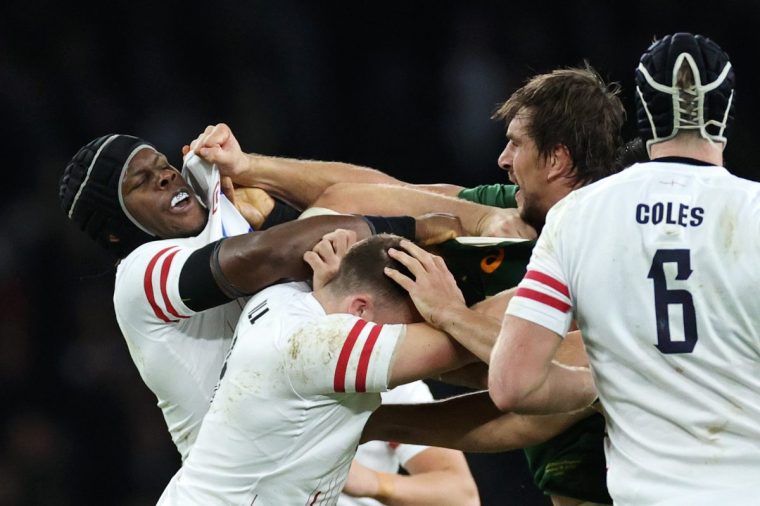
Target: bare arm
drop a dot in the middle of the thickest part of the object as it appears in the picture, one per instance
(474, 376)
(425, 352)
(253, 261)
(470, 423)
(306, 183)
(390, 199)
(299, 182)
(452, 190)
(524, 377)
(437, 477)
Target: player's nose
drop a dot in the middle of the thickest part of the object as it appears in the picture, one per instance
(505, 159)
(165, 177)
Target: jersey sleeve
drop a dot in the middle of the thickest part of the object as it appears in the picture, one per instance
(147, 283)
(341, 354)
(543, 296)
(496, 195)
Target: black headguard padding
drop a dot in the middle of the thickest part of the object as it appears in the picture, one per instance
(657, 118)
(89, 192)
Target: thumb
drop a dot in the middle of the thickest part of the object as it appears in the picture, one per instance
(228, 189)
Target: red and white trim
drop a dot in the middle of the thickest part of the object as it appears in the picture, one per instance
(166, 257)
(545, 289)
(356, 369)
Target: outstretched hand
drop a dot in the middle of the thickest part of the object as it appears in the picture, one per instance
(219, 146)
(324, 258)
(433, 289)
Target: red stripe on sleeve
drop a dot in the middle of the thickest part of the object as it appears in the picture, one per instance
(339, 381)
(148, 286)
(164, 276)
(548, 281)
(361, 371)
(543, 298)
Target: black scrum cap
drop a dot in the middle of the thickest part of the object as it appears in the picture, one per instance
(90, 194)
(660, 103)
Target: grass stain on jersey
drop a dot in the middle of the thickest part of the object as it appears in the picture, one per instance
(728, 226)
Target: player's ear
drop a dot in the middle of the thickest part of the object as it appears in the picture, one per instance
(361, 306)
(560, 163)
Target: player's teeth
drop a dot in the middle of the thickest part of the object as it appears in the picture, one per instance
(179, 198)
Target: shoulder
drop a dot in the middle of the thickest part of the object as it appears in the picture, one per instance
(337, 332)
(146, 277)
(331, 325)
(293, 298)
(580, 197)
(151, 252)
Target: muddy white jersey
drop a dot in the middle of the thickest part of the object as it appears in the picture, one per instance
(387, 456)
(659, 266)
(178, 352)
(295, 392)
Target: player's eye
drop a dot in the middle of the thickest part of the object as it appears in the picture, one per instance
(138, 180)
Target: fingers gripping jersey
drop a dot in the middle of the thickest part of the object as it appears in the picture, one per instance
(659, 263)
(177, 351)
(296, 390)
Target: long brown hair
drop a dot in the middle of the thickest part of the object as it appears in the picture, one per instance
(576, 108)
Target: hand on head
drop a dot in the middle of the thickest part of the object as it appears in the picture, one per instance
(325, 257)
(433, 287)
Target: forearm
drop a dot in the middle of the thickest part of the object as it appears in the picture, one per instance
(300, 182)
(451, 190)
(433, 488)
(389, 199)
(473, 376)
(470, 423)
(457, 422)
(253, 261)
(474, 330)
(561, 389)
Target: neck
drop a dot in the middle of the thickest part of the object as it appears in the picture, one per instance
(690, 147)
(327, 301)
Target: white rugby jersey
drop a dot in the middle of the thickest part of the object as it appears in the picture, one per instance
(177, 351)
(387, 456)
(660, 265)
(295, 393)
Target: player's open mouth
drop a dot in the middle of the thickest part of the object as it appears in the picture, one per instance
(180, 200)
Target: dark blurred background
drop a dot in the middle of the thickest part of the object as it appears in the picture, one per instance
(406, 87)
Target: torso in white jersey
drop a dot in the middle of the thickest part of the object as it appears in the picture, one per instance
(660, 264)
(177, 351)
(290, 407)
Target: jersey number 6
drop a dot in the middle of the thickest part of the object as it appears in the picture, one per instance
(664, 298)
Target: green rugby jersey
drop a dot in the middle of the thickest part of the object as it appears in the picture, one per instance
(483, 271)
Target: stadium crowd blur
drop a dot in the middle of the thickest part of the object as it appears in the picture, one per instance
(404, 87)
